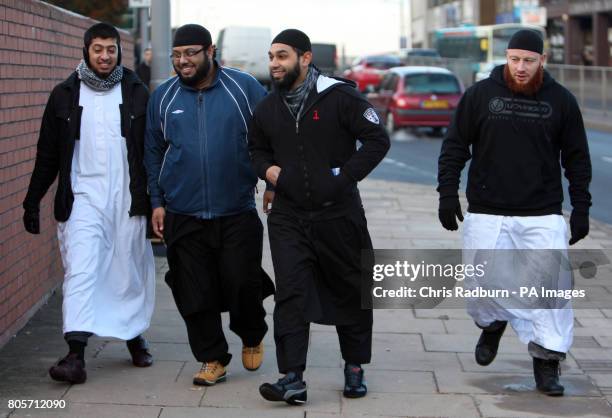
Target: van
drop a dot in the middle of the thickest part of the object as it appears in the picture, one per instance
(324, 57)
(245, 48)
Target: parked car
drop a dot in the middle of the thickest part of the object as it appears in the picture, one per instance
(367, 71)
(245, 48)
(325, 58)
(417, 96)
(420, 52)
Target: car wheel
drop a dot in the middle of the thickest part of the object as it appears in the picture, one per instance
(438, 131)
(390, 123)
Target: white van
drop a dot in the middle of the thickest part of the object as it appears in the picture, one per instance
(245, 48)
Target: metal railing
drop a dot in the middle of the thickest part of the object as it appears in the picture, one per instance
(589, 84)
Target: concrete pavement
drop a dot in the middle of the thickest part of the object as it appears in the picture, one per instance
(423, 363)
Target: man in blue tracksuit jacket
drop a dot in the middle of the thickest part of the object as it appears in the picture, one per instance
(202, 184)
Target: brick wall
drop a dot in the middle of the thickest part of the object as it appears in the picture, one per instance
(40, 45)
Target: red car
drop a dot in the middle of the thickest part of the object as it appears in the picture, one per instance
(417, 96)
(368, 71)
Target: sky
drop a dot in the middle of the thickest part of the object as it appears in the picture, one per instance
(360, 26)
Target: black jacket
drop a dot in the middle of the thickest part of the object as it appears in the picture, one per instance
(61, 126)
(335, 116)
(518, 145)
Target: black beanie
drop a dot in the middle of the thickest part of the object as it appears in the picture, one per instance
(528, 40)
(295, 38)
(192, 34)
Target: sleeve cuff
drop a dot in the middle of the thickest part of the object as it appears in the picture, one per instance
(157, 203)
(263, 168)
(448, 191)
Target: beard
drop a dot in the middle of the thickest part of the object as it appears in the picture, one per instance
(201, 72)
(287, 81)
(529, 88)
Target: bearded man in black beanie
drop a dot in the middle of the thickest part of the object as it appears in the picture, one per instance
(303, 142)
(92, 137)
(520, 128)
(202, 191)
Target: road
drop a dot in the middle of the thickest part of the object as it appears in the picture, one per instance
(413, 157)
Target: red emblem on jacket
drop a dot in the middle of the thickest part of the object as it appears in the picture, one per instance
(316, 115)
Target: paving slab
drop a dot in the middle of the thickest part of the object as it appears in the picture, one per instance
(109, 381)
(232, 412)
(322, 415)
(160, 351)
(415, 361)
(471, 383)
(462, 343)
(439, 313)
(29, 388)
(399, 404)
(538, 406)
(79, 410)
(378, 381)
(512, 363)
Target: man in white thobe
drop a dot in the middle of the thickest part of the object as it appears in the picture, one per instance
(91, 138)
(520, 128)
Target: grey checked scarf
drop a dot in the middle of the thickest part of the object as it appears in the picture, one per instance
(295, 99)
(90, 78)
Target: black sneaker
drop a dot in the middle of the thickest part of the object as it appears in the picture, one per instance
(488, 343)
(290, 389)
(546, 374)
(354, 383)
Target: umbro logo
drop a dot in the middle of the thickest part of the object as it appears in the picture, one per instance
(178, 111)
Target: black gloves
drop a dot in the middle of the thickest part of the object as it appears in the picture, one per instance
(31, 221)
(579, 225)
(448, 210)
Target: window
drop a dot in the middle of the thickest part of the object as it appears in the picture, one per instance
(429, 83)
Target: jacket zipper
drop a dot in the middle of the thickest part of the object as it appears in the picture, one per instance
(203, 154)
(297, 121)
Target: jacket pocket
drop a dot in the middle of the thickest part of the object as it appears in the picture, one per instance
(168, 182)
(69, 122)
(283, 182)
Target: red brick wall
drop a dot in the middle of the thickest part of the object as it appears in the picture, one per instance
(40, 45)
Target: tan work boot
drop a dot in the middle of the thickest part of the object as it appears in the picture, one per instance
(210, 373)
(252, 357)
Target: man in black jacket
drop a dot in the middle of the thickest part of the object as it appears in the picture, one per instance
(303, 142)
(522, 127)
(92, 137)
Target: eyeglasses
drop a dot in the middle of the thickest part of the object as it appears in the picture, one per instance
(189, 53)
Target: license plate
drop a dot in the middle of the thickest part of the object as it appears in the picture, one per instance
(434, 104)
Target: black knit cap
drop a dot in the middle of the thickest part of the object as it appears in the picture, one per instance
(192, 34)
(528, 40)
(295, 38)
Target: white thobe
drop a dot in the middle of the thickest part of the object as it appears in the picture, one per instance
(109, 281)
(551, 328)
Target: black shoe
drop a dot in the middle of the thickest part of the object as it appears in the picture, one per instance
(290, 389)
(546, 373)
(139, 350)
(354, 383)
(69, 369)
(488, 343)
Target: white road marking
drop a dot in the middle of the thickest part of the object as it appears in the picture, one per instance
(408, 167)
(607, 159)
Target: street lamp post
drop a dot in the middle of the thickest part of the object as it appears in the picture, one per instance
(160, 41)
